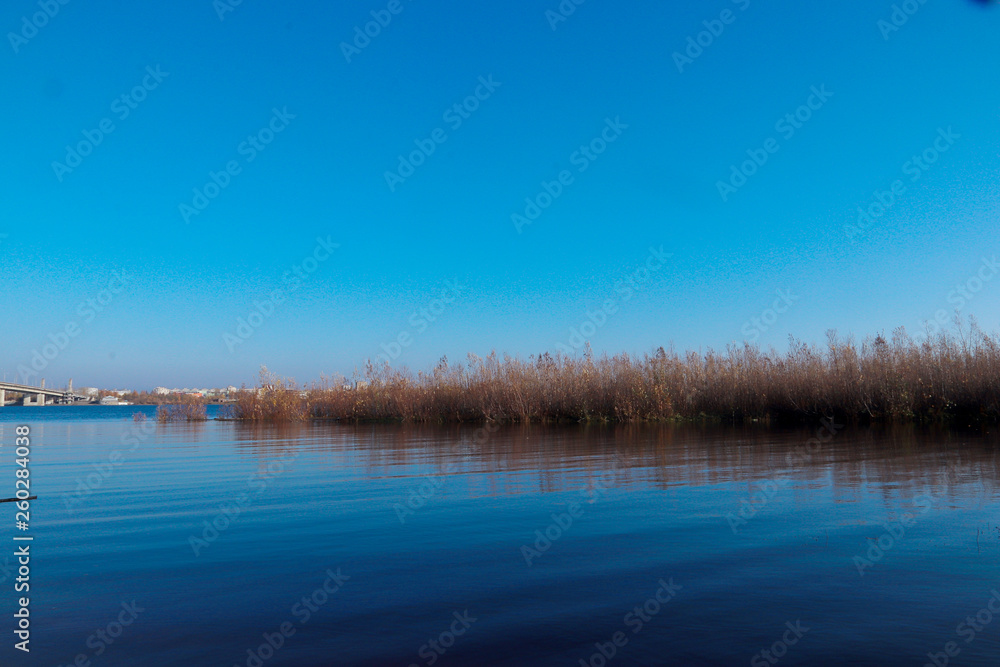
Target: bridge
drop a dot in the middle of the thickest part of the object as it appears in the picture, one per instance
(41, 393)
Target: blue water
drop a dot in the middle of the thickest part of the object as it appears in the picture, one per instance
(423, 534)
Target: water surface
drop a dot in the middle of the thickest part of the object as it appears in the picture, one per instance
(876, 545)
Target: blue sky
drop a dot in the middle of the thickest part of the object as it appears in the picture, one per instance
(523, 289)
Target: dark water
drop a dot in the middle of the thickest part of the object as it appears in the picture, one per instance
(422, 538)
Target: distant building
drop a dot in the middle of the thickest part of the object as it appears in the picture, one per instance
(161, 391)
(109, 400)
(88, 391)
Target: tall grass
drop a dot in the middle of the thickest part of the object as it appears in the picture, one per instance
(952, 376)
(187, 408)
(275, 399)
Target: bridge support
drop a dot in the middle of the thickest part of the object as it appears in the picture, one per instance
(38, 395)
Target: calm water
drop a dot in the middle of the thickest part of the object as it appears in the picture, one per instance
(423, 537)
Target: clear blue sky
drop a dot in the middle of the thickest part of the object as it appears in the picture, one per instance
(523, 287)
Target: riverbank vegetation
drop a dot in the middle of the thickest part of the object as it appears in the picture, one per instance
(183, 409)
(949, 377)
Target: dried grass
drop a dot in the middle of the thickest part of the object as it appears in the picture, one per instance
(186, 409)
(949, 377)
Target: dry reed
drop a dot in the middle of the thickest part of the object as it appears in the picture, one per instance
(187, 408)
(952, 376)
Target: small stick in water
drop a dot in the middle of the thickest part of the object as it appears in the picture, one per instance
(14, 500)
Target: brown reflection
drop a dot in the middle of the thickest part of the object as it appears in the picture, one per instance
(271, 444)
(897, 460)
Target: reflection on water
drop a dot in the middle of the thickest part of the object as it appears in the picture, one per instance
(903, 457)
(465, 545)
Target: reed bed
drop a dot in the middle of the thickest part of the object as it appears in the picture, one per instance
(952, 376)
(186, 409)
(275, 399)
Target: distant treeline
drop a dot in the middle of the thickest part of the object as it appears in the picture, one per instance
(949, 377)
